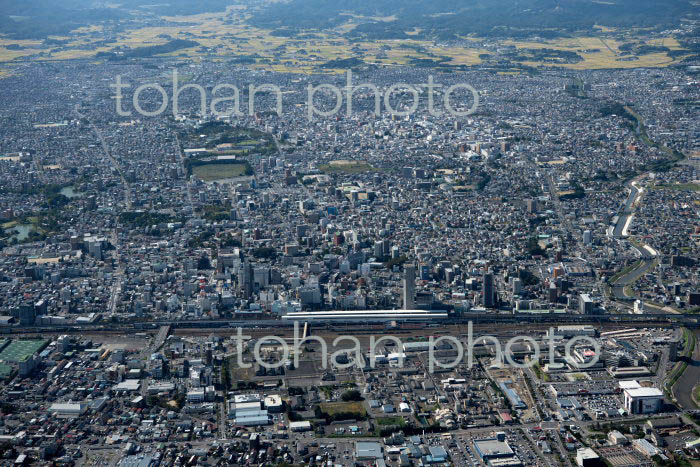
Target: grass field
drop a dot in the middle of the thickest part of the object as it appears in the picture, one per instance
(332, 408)
(346, 167)
(20, 350)
(211, 172)
(390, 421)
(678, 187)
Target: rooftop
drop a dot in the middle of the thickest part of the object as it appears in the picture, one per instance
(492, 448)
(368, 449)
(644, 392)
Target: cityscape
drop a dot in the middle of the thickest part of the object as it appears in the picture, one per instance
(295, 233)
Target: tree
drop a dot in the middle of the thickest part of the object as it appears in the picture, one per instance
(534, 248)
(203, 263)
(353, 395)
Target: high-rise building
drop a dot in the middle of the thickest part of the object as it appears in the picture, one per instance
(517, 286)
(246, 280)
(585, 304)
(553, 292)
(531, 206)
(488, 290)
(587, 237)
(27, 314)
(409, 287)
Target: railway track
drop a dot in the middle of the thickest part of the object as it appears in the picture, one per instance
(269, 327)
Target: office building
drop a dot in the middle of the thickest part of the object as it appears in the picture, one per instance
(585, 304)
(489, 299)
(587, 457)
(643, 400)
(587, 237)
(409, 287)
(247, 280)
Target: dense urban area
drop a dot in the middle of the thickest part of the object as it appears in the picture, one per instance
(208, 263)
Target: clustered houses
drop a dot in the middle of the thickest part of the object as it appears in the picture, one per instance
(103, 217)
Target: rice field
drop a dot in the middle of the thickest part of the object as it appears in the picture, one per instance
(226, 35)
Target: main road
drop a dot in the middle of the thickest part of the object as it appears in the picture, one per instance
(108, 154)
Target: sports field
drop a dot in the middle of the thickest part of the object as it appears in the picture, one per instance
(210, 172)
(19, 351)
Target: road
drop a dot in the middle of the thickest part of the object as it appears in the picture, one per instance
(188, 188)
(146, 353)
(108, 154)
(118, 276)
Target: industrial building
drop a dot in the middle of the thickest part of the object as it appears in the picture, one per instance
(69, 409)
(247, 410)
(515, 401)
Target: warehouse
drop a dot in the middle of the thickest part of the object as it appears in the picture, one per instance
(515, 401)
(258, 418)
(68, 410)
(300, 426)
(129, 385)
(242, 408)
(368, 450)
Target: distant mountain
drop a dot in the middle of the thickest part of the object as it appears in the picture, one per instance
(375, 19)
(446, 19)
(37, 19)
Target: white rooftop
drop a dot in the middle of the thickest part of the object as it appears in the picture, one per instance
(644, 392)
(629, 385)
